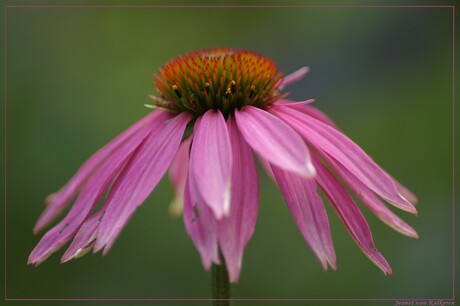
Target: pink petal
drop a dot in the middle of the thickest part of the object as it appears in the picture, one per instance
(405, 192)
(140, 177)
(90, 195)
(236, 229)
(351, 216)
(202, 228)
(274, 140)
(211, 162)
(84, 239)
(178, 174)
(310, 111)
(293, 77)
(372, 201)
(291, 103)
(309, 213)
(317, 114)
(347, 153)
(56, 202)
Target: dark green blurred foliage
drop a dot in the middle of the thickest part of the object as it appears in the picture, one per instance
(78, 77)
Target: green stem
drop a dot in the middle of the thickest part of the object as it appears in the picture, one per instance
(220, 284)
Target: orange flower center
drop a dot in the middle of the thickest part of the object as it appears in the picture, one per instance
(224, 79)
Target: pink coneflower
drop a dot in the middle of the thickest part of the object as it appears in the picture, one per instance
(215, 109)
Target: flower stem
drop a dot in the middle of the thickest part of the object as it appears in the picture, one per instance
(220, 284)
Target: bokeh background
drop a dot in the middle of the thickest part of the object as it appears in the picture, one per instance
(78, 77)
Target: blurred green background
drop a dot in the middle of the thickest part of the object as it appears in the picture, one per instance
(78, 77)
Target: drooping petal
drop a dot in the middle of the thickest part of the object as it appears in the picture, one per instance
(236, 229)
(405, 192)
(178, 172)
(90, 195)
(274, 140)
(310, 111)
(201, 226)
(211, 162)
(317, 114)
(293, 77)
(285, 102)
(84, 239)
(347, 153)
(309, 214)
(140, 177)
(350, 215)
(372, 201)
(57, 201)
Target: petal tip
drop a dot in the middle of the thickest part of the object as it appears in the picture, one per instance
(50, 199)
(308, 171)
(65, 259)
(234, 279)
(382, 264)
(106, 250)
(97, 246)
(34, 262)
(311, 170)
(324, 265)
(227, 199)
(206, 265)
(36, 229)
(407, 231)
(176, 207)
(408, 206)
(36, 257)
(333, 266)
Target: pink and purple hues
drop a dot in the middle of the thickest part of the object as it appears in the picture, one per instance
(215, 109)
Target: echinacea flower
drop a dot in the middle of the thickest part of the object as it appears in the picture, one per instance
(215, 109)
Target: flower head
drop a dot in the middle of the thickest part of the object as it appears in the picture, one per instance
(216, 108)
(224, 79)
